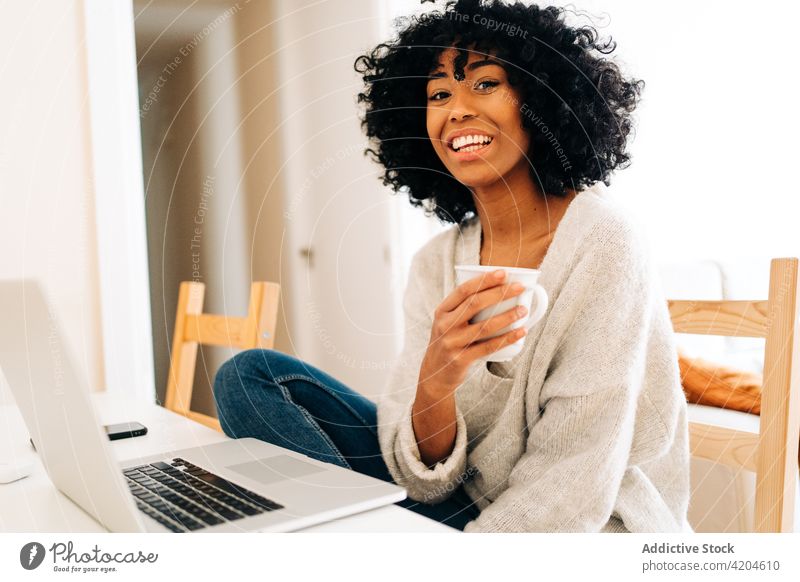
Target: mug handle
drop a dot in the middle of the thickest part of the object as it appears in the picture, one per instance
(541, 306)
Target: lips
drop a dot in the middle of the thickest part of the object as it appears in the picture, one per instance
(466, 137)
(468, 143)
(469, 151)
(461, 146)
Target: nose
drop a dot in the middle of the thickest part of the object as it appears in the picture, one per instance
(456, 115)
(461, 107)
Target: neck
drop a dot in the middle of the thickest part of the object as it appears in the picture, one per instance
(516, 216)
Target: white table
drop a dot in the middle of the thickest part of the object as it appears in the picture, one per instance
(33, 504)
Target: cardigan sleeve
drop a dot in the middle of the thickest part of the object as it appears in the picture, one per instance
(581, 426)
(396, 436)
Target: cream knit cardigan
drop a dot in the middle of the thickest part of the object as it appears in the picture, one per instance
(585, 430)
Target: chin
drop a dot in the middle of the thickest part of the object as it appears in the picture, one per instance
(481, 175)
(478, 179)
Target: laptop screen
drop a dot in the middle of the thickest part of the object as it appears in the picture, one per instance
(57, 409)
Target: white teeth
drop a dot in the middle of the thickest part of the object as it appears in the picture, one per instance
(468, 140)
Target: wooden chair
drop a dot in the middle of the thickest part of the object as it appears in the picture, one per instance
(772, 453)
(193, 327)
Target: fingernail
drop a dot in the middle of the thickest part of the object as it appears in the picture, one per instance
(522, 310)
(517, 287)
(499, 274)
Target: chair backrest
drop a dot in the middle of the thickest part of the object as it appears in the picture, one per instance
(193, 327)
(772, 453)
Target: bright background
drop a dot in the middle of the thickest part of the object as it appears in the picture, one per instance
(256, 132)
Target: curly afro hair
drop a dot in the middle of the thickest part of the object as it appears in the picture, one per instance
(576, 104)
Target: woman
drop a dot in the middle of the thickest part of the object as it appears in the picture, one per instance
(507, 122)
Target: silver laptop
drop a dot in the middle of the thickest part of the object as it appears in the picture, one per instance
(235, 485)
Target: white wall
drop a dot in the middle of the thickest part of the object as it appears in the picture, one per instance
(46, 190)
(262, 180)
(335, 204)
(118, 193)
(196, 205)
(290, 174)
(715, 142)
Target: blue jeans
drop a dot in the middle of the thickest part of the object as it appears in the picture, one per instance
(282, 400)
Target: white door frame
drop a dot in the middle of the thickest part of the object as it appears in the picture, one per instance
(119, 198)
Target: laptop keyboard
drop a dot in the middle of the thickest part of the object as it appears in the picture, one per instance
(184, 497)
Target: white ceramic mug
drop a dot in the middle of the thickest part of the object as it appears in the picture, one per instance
(528, 278)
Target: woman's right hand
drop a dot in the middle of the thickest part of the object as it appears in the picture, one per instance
(455, 343)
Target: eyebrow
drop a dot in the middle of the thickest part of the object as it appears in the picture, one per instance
(470, 67)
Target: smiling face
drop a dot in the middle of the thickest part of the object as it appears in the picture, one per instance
(475, 124)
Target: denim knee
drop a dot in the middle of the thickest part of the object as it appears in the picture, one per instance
(230, 378)
(234, 382)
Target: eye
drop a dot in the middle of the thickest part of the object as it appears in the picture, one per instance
(439, 96)
(486, 84)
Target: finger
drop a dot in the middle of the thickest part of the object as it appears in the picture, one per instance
(470, 287)
(484, 329)
(483, 299)
(490, 346)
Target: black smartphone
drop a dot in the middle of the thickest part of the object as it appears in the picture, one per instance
(125, 430)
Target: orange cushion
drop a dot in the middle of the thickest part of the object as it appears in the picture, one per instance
(718, 385)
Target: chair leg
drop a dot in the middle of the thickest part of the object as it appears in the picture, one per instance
(184, 353)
